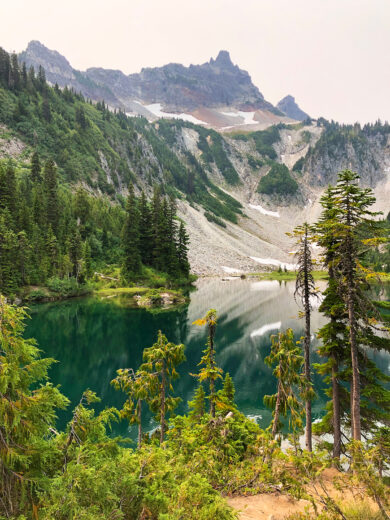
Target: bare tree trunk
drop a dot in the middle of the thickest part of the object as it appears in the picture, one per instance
(212, 382)
(162, 414)
(277, 411)
(355, 385)
(336, 410)
(139, 414)
(308, 429)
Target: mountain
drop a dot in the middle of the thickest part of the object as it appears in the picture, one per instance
(217, 93)
(290, 108)
(59, 70)
(237, 192)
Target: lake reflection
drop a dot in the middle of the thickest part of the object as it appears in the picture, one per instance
(92, 338)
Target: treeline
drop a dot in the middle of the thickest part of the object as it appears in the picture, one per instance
(152, 237)
(53, 236)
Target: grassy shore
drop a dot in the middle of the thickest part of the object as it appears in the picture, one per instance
(286, 276)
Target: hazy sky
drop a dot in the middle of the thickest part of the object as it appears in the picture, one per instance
(332, 55)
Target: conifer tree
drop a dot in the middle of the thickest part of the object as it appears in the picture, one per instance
(35, 168)
(287, 359)
(353, 213)
(210, 371)
(334, 333)
(182, 251)
(51, 195)
(137, 387)
(146, 245)
(160, 362)
(27, 414)
(130, 238)
(197, 405)
(305, 290)
(75, 252)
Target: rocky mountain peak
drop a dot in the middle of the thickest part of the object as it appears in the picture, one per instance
(57, 67)
(223, 59)
(288, 106)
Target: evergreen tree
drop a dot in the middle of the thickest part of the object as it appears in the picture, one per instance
(305, 290)
(75, 252)
(35, 168)
(137, 387)
(130, 238)
(145, 231)
(27, 415)
(334, 333)
(197, 405)
(51, 195)
(353, 213)
(182, 251)
(287, 359)
(210, 371)
(160, 362)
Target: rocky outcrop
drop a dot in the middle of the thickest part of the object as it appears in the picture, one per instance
(59, 70)
(290, 108)
(217, 83)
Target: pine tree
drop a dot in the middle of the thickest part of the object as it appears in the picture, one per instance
(197, 405)
(137, 386)
(182, 251)
(334, 333)
(35, 168)
(305, 290)
(287, 359)
(145, 231)
(160, 362)
(353, 213)
(210, 371)
(130, 238)
(51, 192)
(28, 413)
(75, 252)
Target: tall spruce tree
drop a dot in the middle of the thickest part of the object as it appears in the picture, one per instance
(333, 334)
(145, 231)
(35, 168)
(130, 238)
(160, 362)
(51, 195)
(210, 371)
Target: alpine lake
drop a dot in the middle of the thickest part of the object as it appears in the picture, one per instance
(92, 337)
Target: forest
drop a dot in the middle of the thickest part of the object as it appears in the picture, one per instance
(187, 466)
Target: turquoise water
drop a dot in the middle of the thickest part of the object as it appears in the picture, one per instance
(91, 338)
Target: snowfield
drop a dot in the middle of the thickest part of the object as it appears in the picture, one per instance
(231, 269)
(156, 110)
(248, 117)
(276, 263)
(264, 211)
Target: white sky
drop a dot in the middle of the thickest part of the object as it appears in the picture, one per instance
(332, 55)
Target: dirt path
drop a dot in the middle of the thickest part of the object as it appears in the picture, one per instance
(271, 506)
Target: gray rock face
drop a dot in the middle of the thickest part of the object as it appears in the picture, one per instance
(59, 70)
(288, 106)
(213, 84)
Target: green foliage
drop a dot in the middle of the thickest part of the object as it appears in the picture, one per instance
(28, 405)
(278, 181)
(287, 359)
(263, 140)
